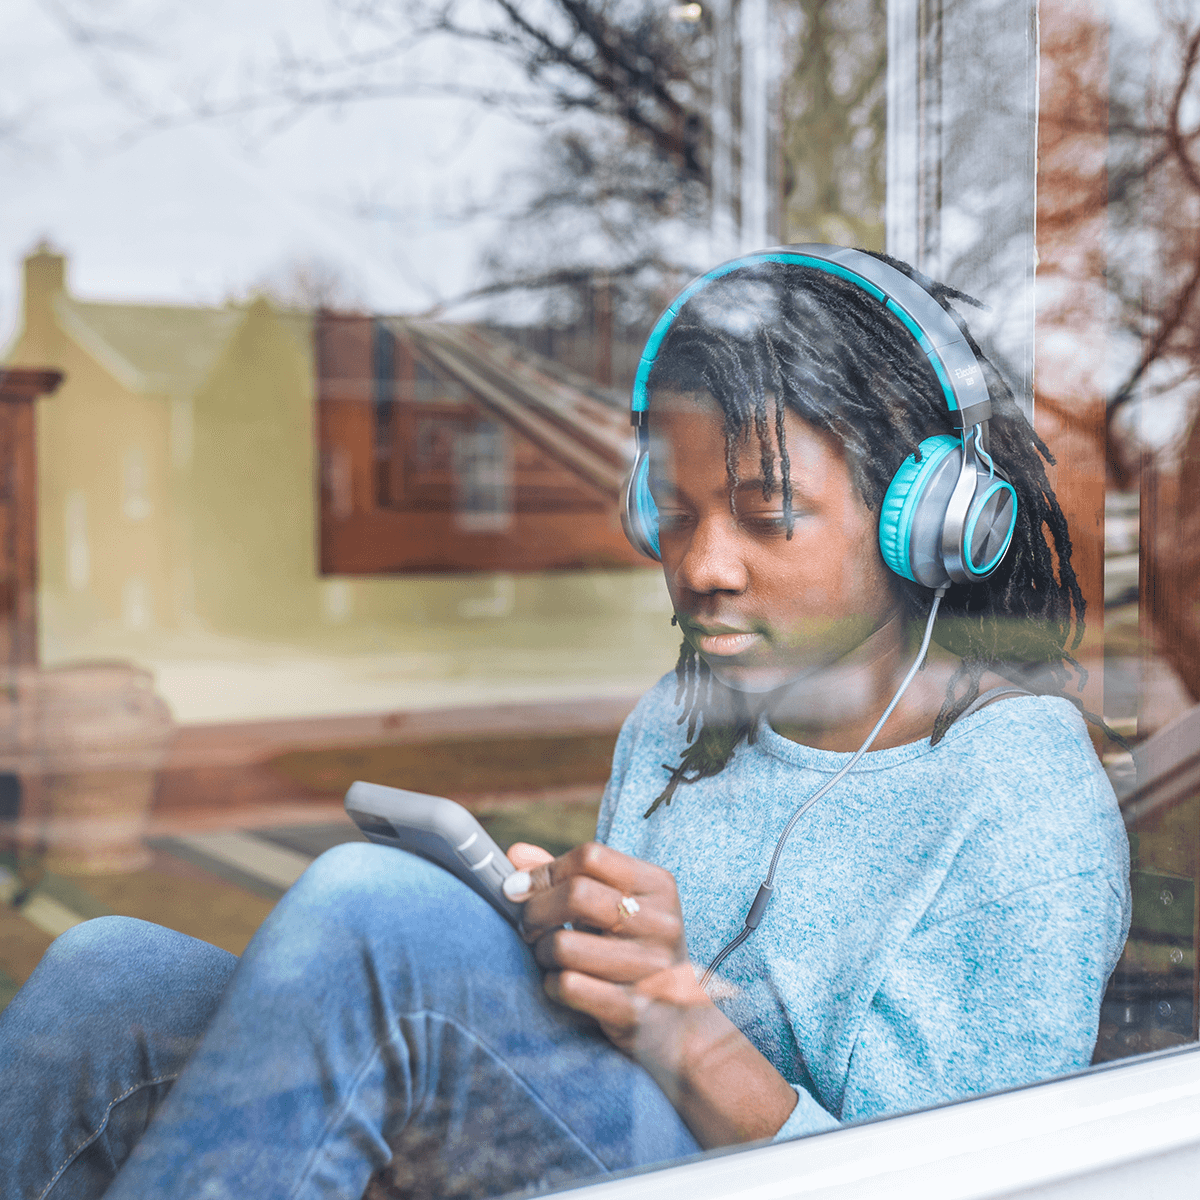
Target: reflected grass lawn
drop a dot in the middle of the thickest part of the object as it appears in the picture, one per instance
(458, 767)
(554, 827)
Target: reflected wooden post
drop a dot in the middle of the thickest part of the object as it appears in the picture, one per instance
(19, 389)
(1071, 326)
(1170, 618)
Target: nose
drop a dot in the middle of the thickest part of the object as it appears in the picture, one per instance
(711, 560)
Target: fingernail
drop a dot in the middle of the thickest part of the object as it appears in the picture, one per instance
(517, 885)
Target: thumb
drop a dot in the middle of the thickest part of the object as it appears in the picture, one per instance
(526, 859)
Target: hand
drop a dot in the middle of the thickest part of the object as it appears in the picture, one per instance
(630, 971)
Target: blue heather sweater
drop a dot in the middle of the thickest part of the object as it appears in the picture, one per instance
(943, 922)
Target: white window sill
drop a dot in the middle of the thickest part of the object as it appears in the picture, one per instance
(1124, 1130)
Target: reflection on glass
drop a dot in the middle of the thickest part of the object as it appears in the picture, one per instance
(314, 431)
(1124, 193)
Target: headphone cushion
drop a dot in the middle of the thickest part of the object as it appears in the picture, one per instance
(903, 514)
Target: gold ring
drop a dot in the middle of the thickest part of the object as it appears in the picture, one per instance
(627, 907)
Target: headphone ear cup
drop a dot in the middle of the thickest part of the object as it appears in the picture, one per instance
(639, 513)
(991, 520)
(914, 510)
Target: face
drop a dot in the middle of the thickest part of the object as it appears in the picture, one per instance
(763, 610)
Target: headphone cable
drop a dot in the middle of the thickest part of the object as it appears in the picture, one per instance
(754, 916)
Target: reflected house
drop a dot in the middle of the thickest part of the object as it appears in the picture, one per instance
(166, 407)
(448, 448)
(329, 483)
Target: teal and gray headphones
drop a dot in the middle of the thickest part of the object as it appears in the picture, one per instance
(948, 515)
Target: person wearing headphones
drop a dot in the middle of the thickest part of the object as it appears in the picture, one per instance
(831, 474)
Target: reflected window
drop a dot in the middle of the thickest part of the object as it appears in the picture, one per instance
(483, 478)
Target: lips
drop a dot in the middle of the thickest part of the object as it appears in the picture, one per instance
(726, 643)
(723, 642)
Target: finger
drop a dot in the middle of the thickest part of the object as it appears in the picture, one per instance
(582, 900)
(525, 856)
(577, 901)
(614, 959)
(608, 1003)
(517, 886)
(534, 878)
(531, 873)
(630, 876)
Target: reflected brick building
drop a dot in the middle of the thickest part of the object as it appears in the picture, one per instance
(448, 448)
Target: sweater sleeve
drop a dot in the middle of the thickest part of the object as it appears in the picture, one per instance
(999, 996)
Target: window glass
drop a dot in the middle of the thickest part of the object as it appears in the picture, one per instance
(1150, 515)
(329, 336)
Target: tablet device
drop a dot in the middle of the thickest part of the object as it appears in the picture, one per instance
(438, 830)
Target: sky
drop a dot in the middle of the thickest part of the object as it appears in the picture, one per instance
(102, 154)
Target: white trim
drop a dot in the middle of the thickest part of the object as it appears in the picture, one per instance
(756, 78)
(961, 161)
(1091, 1134)
(722, 234)
(92, 343)
(903, 141)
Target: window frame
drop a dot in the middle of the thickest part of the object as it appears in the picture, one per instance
(1093, 1134)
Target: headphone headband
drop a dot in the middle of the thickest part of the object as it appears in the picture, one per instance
(948, 515)
(934, 330)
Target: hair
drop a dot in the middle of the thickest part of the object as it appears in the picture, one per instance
(774, 336)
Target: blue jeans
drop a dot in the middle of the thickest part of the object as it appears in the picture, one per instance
(383, 1013)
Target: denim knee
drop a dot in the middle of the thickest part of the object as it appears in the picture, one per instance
(356, 872)
(106, 952)
(111, 951)
(102, 941)
(350, 866)
(112, 975)
(364, 893)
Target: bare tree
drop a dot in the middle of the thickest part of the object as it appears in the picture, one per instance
(1125, 168)
(626, 61)
(1154, 184)
(606, 213)
(620, 87)
(308, 282)
(1168, 367)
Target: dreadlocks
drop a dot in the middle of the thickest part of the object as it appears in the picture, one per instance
(777, 336)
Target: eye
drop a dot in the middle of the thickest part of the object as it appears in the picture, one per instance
(764, 524)
(768, 519)
(672, 520)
